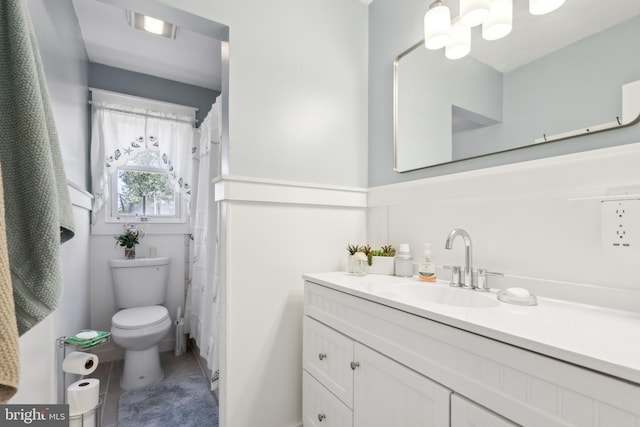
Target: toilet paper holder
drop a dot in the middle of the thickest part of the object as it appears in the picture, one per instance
(87, 415)
(63, 346)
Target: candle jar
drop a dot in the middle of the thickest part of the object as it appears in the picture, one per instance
(360, 267)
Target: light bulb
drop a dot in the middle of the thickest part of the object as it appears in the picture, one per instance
(540, 7)
(437, 26)
(460, 44)
(474, 12)
(500, 20)
(153, 25)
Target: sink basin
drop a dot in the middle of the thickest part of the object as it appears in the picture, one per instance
(438, 294)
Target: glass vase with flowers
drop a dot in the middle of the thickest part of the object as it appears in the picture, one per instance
(130, 238)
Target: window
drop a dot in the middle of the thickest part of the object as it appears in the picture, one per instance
(142, 188)
(141, 158)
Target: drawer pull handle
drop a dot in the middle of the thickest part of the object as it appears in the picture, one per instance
(321, 417)
(354, 365)
(322, 356)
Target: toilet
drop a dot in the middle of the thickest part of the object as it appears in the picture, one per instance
(140, 288)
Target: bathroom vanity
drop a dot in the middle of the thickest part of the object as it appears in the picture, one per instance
(382, 351)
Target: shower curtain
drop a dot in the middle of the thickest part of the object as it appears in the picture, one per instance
(201, 313)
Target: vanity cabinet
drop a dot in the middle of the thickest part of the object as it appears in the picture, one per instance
(348, 384)
(389, 394)
(375, 365)
(465, 413)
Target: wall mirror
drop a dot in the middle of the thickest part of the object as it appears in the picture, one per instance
(552, 74)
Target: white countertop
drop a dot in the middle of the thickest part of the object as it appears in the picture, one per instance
(597, 338)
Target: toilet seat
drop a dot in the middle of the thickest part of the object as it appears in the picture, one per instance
(140, 317)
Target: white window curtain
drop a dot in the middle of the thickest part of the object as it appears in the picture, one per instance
(201, 312)
(119, 133)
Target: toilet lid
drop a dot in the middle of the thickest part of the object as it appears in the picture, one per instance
(139, 317)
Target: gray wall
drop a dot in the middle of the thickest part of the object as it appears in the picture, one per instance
(146, 86)
(66, 67)
(297, 94)
(393, 27)
(575, 87)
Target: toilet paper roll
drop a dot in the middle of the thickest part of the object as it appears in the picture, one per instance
(81, 363)
(83, 396)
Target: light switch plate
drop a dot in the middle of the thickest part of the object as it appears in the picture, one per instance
(621, 224)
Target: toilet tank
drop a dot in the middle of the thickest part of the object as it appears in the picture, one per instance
(139, 282)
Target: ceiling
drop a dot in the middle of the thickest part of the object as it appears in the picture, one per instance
(191, 58)
(194, 58)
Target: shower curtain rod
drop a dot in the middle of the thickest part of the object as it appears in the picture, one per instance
(193, 121)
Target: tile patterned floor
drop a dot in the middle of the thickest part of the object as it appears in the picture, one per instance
(109, 375)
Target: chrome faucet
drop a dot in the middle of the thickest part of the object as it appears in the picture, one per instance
(467, 278)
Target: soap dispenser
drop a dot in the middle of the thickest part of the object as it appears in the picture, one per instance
(403, 261)
(426, 268)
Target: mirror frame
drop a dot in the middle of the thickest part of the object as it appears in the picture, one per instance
(616, 124)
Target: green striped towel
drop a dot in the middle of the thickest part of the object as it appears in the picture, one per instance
(38, 211)
(101, 337)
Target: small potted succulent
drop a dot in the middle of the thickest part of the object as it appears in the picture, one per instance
(352, 249)
(380, 261)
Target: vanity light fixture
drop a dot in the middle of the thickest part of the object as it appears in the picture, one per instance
(151, 25)
(500, 20)
(460, 44)
(496, 17)
(474, 12)
(437, 26)
(540, 7)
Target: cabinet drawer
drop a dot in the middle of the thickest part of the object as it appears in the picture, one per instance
(327, 355)
(320, 408)
(465, 413)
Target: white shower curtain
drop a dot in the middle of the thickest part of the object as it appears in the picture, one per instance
(202, 295)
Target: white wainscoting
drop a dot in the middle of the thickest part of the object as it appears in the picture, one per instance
(523, 223)
(274, 231)
(519, 216)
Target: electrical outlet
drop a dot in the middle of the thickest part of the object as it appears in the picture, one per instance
(621, 224)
